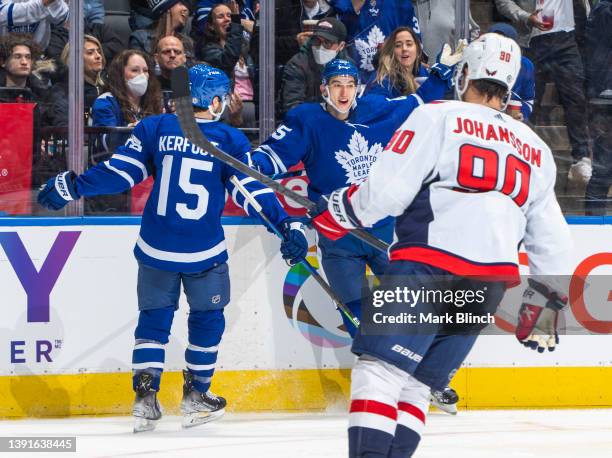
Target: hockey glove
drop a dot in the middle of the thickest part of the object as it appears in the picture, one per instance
(58, 191)
(294, 245)
(537, 324)
(333, 216)
(446, 61)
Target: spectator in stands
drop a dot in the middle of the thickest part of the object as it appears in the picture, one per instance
(287, 18)
(316, 9)
(170, 18)
(221, 43)
(17, 56)
(302, 75)
(369, 25)
(598, 38)
(93, 11)
(523, 91)
(399, 64)
(437, 25)
(133, 93)
(32, 17)
(93, 67)
(243, 97)
(169, 54)
(312, 10)
(111, 42)
(247, 9)
(552, 46)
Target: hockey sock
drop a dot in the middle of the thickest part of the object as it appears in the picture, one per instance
(151, 336)
(375, 392)
(411, 410)
(205, 330)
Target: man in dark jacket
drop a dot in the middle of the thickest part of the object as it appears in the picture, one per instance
(17, 56)
(302, 74)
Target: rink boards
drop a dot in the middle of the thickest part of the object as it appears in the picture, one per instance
(68, 289)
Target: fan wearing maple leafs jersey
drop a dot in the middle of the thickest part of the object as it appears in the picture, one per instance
(369, 23)
(338, 141)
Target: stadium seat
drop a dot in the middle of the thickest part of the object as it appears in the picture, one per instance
(115, 6)
(118, 22)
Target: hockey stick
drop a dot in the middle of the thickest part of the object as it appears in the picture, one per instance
(313, 272)
(282, 176)
(185, 115)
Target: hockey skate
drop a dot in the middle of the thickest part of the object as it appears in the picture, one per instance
(445, 400)
(146, 410)
(197, 407)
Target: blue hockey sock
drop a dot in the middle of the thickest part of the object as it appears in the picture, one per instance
(151, 336)
(404, 443)
(205, 331)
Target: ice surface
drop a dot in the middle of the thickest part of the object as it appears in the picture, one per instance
(490, 434)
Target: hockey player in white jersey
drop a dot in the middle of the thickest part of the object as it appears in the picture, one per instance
(467, 184)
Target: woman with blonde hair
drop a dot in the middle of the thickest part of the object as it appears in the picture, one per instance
(399, 64)
(93, 71)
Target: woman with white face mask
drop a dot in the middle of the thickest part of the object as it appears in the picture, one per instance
(133, 92)
(302, 74)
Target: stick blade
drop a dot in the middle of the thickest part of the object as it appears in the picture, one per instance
(180, 82)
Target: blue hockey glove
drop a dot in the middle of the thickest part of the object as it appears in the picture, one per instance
(58, 191)
(294, 245)
(445, 63)
(537, 323)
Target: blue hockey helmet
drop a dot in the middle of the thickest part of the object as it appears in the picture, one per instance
(340, 67)
(206, 83)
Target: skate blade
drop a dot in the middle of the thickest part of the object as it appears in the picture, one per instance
(199, 418)
(142, 424)
(450, 409)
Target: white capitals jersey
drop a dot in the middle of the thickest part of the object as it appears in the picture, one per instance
(467, 184)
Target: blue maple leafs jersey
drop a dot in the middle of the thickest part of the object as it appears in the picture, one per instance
(181, 224)
(523, 90)
(339, 153)
(367, 30)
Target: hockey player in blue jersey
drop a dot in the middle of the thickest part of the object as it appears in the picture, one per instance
(337, 141)
(181, 240)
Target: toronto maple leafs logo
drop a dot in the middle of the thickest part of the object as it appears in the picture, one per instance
(367, 49)
(357, 161)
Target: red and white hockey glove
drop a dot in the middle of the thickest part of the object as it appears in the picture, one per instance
(333, 216)
(537, 323)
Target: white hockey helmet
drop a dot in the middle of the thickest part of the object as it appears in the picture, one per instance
(491, 57)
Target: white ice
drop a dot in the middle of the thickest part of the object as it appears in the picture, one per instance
(470, 434)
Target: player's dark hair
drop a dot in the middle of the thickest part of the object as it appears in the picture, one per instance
(151, 101)
(490, 89)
